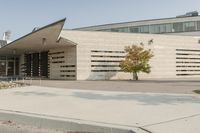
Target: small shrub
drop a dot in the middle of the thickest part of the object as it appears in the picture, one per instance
(6, 85)
(196, 91)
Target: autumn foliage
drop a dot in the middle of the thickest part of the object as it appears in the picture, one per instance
(136, 60)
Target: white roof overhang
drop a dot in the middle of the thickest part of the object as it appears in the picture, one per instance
(43, 39)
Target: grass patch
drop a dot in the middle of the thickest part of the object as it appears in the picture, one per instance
(196, 91)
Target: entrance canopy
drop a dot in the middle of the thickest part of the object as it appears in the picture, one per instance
(43, 39)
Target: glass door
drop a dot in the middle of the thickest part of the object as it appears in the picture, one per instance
(2, 68)
(10, 68)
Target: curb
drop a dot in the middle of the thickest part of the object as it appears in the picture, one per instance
(63, 124)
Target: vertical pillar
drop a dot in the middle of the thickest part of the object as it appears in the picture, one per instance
(14, 73)
(31, 65)
(39, 67)
(6, 66)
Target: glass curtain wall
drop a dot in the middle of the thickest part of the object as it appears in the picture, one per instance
(2, 66)
(160, 28)
(9, 66)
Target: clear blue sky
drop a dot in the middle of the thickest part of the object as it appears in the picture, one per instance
(21, 16)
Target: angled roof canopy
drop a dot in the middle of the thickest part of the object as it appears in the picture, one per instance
(43, 39)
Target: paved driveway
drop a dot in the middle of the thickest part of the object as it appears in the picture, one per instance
(156, 112)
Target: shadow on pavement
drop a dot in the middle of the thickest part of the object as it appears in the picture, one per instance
(34, 93)
(147, 99)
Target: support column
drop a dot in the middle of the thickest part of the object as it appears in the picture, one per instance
(39, 67)
(14, 67)
(6, 66)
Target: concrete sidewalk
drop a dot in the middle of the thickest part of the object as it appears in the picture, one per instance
(154, 86)
(154, 112)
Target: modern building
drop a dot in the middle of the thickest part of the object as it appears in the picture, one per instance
(188, 24)
(56, 53)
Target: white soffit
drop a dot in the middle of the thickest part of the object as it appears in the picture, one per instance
(34, 41)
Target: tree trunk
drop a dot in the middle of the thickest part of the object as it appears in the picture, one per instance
(135, 76)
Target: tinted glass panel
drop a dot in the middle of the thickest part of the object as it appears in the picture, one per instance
(114, 30)
(2, 57)
(125, 29)
(189, 26)
(151, 29)
(144, 29)
(2, 68)
(134, 29)
(178, 27)
(154, 29)
(198, 25)
(168, 27)
(162, 28)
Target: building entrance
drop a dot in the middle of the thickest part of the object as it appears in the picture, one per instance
(9, 66)
(2, 68)
(36, 64)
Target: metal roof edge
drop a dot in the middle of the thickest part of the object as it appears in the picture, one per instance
(49, 25)
(82, 28)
